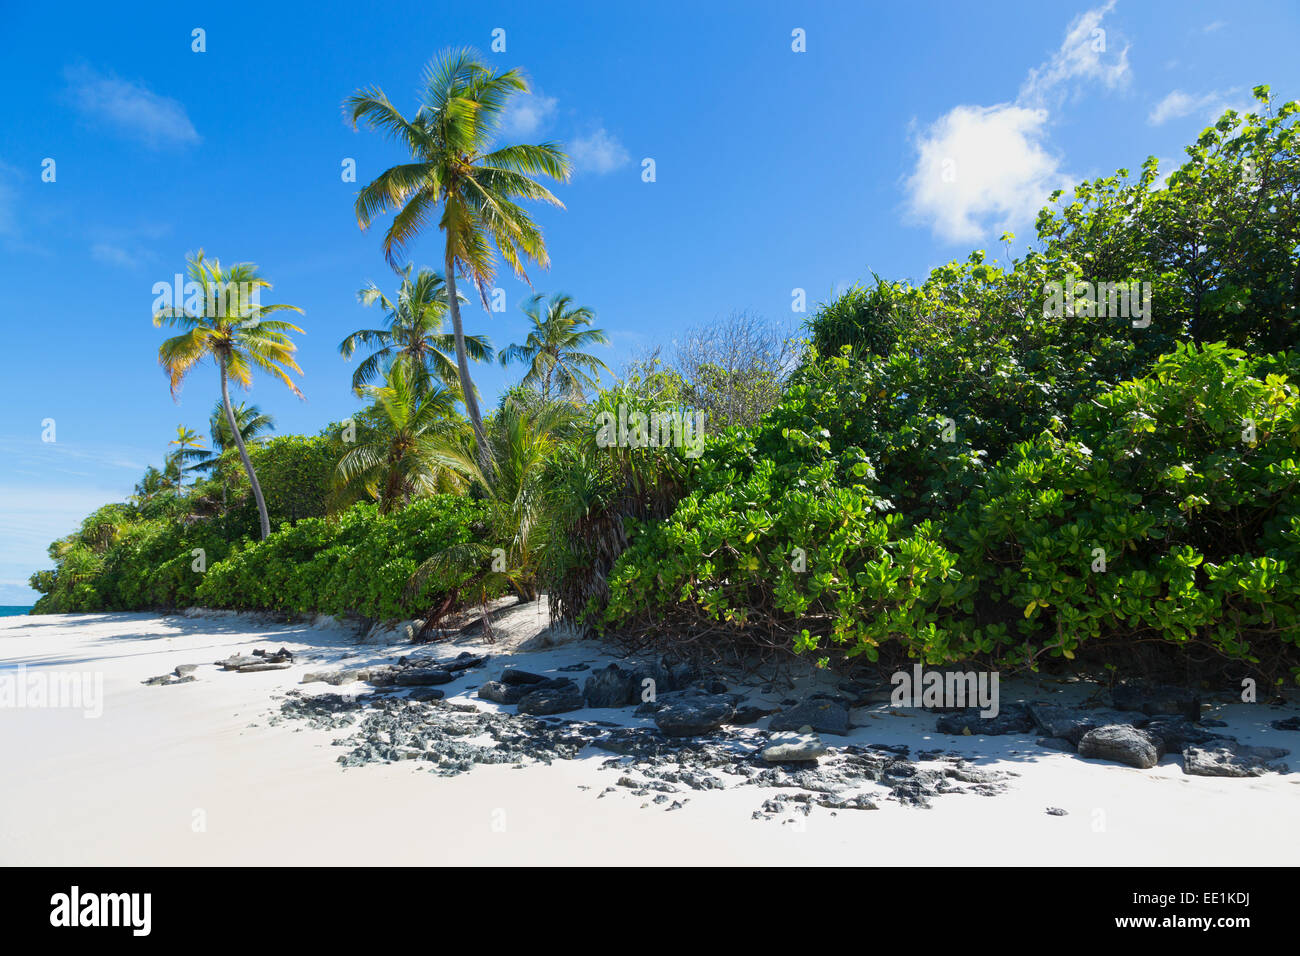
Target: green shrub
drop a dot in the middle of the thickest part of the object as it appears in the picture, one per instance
(1168, 509)
(788, 535)
(355, 563)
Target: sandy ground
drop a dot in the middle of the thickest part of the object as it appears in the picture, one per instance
(192, 774)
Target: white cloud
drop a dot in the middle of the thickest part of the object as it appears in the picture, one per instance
(983, 167)
(1178, 104)
(131, 108)
(598, 153)
(526, 114)
(1088, 52)
(1212, 27)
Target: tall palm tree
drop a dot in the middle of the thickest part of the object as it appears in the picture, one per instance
(412, 333)
(234, 331)
(553, 349)
(190, 447)
(456, 165)
(401, 459)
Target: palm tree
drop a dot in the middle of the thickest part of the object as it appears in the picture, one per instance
(552, 350)
(402, 459)
(524, 437)
(412, 333)
(234, 331)
(190, 448)
(251, 422)
(456, 165)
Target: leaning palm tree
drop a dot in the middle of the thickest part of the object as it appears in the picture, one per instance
(234, 331)
(456, 165)
(402, 459)
(412, 333)
(190, 447)
(553, 349)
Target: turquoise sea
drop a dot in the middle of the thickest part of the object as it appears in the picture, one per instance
(11, 610)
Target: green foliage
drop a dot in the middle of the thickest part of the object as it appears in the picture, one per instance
(593, 492)
(1167, 508)
(1183, 479)
(1218, 241)
(357, 563)
(295, 472)
(952, 458)
(127, 558)
(860, 319)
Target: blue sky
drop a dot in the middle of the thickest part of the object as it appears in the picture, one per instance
(902, 136)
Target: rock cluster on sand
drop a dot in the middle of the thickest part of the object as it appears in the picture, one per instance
(407, 672)
(698, 736)
(259, 660)
(1147, 723)
(691, 745)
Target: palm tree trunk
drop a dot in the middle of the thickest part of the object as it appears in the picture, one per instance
(243, 454)
(462, 365)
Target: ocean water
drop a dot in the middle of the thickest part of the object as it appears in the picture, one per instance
(11, 610)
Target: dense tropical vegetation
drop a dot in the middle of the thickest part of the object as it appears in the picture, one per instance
(958, 469)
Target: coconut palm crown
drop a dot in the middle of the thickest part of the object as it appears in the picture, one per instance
(225, 321)
(460, 179)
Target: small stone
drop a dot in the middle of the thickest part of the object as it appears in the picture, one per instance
(610, 686)
(785, 747)
(824, 716)
(1056, 721)
(694, 716)
(500, 693)
(749, 715)
(462, 661)
(513, 676)
(333, 678)
(422, 677)
(551, 700)
(1229, 758)
(1122, 743)
(1057, 812)
(1014, 719)
(1178, 732)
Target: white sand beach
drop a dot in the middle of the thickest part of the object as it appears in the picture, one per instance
(193, 774)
